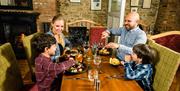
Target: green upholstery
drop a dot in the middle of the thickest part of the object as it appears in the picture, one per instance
(10, 76)
(166, 67)
(30, 53)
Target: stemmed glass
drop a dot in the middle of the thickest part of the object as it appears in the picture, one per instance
(97, 62)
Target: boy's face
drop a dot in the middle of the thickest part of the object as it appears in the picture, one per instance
(52, 50)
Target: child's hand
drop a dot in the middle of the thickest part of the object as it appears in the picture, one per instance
(122, 62)
(127, 58)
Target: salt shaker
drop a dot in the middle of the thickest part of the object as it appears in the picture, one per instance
(95, 82)
(98, 85)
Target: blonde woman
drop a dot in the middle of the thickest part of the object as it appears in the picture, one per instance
(57, 26)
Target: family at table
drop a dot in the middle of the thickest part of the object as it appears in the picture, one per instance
(132, 51)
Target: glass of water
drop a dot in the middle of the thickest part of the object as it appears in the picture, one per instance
(92, 74)
(97, 62)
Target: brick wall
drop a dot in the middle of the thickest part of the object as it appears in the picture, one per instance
(148, 15)
(47, 9)
(165, 11)
(168, 17)
(76, 11)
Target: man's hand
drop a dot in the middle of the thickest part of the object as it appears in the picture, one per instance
(104, 34)
(112, 45)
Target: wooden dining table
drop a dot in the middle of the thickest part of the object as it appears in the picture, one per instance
(111, 79)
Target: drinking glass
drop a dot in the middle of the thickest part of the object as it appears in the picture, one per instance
(92, 74)
(97, 60)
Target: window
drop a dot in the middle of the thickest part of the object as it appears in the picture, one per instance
(16, 4)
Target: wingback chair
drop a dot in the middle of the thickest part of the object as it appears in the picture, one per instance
(165, 67)
(10, 76)
(30, 53)
(95, 35)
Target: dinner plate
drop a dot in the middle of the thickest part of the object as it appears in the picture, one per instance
(78, 68)
(114, 62)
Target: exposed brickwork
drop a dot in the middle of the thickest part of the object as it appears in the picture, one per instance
(168, 17)
(77, 11)
(148, 16)
(46, 8)
(165, 11)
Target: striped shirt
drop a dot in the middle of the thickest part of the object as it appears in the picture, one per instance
(142, 73)
(46, 71)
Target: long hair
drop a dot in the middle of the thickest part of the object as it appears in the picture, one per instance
(145, 52)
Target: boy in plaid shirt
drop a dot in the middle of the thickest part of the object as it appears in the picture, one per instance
(45, 70)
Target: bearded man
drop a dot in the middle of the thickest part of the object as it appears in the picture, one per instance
(130, 34)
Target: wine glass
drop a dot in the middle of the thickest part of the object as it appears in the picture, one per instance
(88, 59)
(97, 60)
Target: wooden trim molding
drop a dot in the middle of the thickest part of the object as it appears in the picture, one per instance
(164, 34)
(82, 23)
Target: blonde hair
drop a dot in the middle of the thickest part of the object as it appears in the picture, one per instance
(58, 17)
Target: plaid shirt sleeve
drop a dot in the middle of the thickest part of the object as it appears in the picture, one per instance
(60, 67)
(138, 72)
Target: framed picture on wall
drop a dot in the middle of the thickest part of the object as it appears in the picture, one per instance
(75, 1)
(134, 9)
(95, 4)
(134, 2)
(146, 4)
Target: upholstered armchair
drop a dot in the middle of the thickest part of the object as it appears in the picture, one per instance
(95, 35)
(170, 39)
(166, 67)
(10, 76)
(30, 53)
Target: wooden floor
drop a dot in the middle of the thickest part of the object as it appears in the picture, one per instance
(27, 79)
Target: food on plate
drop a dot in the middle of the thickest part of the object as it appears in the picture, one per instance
(79, 57)
(74, 52)
(77, 68)
(114, 61)
(103, 51)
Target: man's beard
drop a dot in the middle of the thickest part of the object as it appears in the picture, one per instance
(129, 27)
